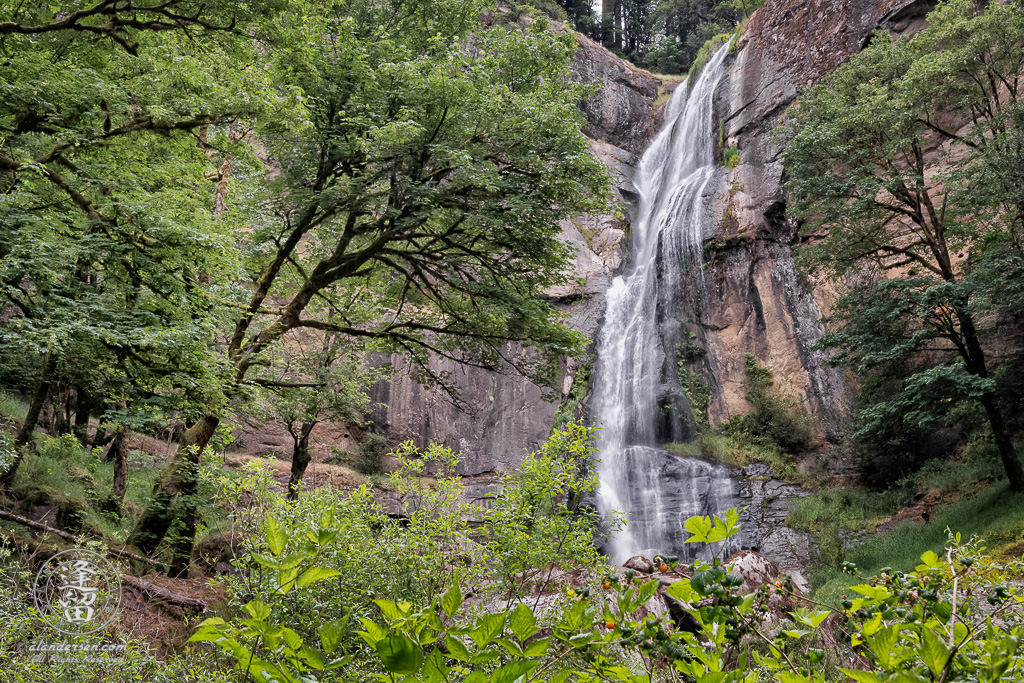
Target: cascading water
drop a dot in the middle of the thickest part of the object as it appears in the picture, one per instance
(658, 491)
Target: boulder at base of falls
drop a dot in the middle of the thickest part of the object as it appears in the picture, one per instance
(639, 563)
(757, 570)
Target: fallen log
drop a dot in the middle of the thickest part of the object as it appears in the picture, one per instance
(32, 524)
(156, 591)
(44, 551)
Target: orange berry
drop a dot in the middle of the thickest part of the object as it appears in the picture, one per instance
(606, 585)
(663, 568)
(609, 624)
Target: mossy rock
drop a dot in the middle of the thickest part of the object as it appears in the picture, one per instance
(41, 494)
(81, 473)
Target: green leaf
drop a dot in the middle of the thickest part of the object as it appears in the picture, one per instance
(390, 610)
(883, 644)
(312, 657)
(871, 592)
(331, 634)
(399, 654)
(522, 622)
(315, 574)
(713, 677)
(326, 537)
(452, 599)
(647, 591)
(487, 628)
(700, 527)
(276, 537)
(929, 561)
(291, 638)
(286, 579)
(683, 591)
(258, 610)
(582, 639)
(862, 676)
(434, 669)
(812, 619)
(513, 671)
(373, 633)
(934, 653)
(456, 648)
(484, 656)
(510, 646)
(537, 647)
(790, 677)
(943, 610)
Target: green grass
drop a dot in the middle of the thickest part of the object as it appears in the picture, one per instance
(75, 480)
(663, 97)
(995, 515)
(845, 508)
(12, 407)
(63, 474)
(737, 452)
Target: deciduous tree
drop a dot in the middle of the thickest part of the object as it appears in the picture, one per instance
(886, 155)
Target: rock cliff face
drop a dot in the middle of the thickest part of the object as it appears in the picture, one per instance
(510, 416)
(755, 301)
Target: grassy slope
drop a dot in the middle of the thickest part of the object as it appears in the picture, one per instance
(994, 514)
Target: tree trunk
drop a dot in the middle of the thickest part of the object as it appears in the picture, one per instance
(101, 438)
(976, 365)
(83, 411)
(300, 459)
(28, 427)
(1014, 473)
(63, 411)
(607, 22)
(118, 453)
(619, 26)
(174, 498)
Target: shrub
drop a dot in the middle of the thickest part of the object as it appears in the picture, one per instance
(372, 451)
(601, 628)
(776, 417)
(338, 456)
(705, 53)
(570, 408)
(731, 157)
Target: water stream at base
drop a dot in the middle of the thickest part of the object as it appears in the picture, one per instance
(659, 491)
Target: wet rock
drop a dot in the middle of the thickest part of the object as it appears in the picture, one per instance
(768, 501)
(686, 487)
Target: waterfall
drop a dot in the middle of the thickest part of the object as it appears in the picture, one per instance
(676, 180)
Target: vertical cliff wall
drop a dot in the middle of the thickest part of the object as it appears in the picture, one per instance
(755, 301)
(509, 416)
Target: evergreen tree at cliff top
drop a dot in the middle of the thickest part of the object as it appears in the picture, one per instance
(910, 157)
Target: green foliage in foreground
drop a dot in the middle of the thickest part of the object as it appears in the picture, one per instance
(335, 589)
(527, 538)
(952, 618)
